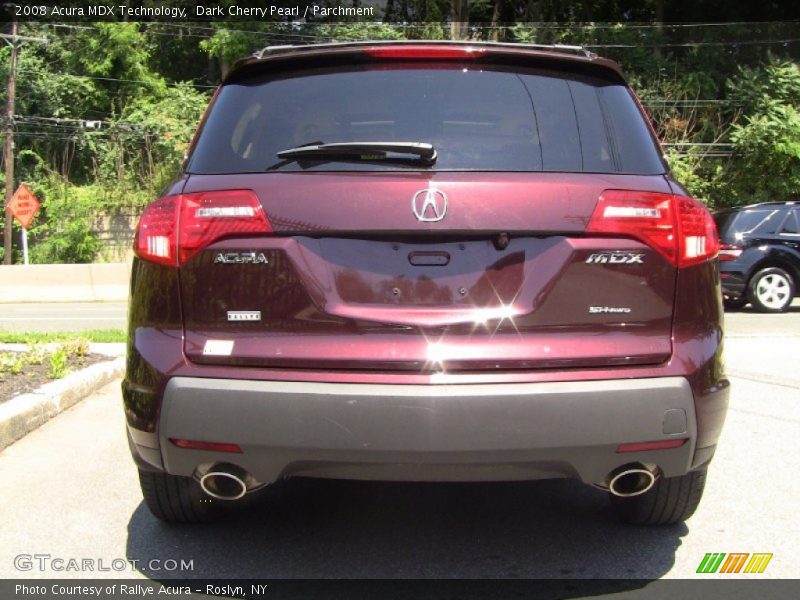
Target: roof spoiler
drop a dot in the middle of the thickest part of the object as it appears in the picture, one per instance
(558, 48)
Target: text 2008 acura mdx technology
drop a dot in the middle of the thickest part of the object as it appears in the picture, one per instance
(425, 262)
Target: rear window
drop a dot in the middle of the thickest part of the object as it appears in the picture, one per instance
(791, 226)
(752, 222)
(476, 118)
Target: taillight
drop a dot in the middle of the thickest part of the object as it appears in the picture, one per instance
(175, 228)
(422, 51)
(697, 232)
(680, 229)
(209, 216)
(157, 234)
(728, 252)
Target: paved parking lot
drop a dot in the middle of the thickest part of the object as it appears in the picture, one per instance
(71, 491)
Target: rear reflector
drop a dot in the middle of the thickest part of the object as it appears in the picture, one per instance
(680, 229)
(213, 446)
(643, 446)
(175, 228)
(423, 51)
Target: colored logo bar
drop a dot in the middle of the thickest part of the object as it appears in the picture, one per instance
(734, 562)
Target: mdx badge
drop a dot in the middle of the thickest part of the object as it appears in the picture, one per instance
(615, 258)
(240, 258)
(429, 205)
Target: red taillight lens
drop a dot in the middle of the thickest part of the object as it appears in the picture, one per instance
(157, 234)
(680, 229)
(645, 216)
(175, 228)
(421, 51)
(697, 232)
(209, 216)
(728, 252)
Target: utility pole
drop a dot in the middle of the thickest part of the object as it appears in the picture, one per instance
(8, 143)
(12, 40)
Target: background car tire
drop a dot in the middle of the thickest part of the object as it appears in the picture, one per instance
(771, 290)
(177, 499)
(670, 500)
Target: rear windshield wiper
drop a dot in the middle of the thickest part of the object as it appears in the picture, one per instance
(424, 152)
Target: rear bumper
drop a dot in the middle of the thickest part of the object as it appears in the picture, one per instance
(470, 432)
(734, 283)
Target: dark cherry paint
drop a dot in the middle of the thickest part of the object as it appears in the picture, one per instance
(342, 301)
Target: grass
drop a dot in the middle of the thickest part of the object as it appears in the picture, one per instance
(43, 337)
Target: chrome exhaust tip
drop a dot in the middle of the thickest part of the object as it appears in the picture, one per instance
(225, 483)
(631, 480)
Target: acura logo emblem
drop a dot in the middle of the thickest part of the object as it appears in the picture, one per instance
(429, 205)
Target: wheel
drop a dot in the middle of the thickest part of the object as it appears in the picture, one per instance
(735, 304)
(177, 499)
(670, 500)
(771, 290)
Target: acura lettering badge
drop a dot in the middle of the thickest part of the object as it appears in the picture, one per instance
(241, 258)
(429, 205)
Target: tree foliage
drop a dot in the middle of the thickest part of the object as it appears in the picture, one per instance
(99, 131)
(767, 140)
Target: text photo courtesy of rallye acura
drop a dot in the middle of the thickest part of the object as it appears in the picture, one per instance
(425, 261)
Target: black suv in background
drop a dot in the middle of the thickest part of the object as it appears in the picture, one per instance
(759, 258)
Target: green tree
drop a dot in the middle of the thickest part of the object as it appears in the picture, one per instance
(767, 141)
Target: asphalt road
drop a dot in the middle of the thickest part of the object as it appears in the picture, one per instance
(63, 316)
(70, 491)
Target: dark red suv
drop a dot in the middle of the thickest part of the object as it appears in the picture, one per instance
(426, 262)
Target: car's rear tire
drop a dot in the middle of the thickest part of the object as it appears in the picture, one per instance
(771, 290)
(177, 499)
(670, 500)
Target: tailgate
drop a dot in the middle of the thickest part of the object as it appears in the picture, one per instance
(352, 278)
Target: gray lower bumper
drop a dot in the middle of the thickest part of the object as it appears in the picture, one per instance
(435, 432)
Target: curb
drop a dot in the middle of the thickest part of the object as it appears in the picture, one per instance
(21, 415)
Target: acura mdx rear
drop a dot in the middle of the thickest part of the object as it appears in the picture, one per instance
(425, 262)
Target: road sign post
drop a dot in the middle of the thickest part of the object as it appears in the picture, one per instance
(25, 246)
(24, 206)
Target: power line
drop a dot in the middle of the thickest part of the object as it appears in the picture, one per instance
(695, 44)
(289, 35)
(249, 31)
(617, 25)
(147, 31)
(151, 30)
(139, 81)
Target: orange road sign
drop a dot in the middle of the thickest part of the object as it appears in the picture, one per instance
(23, 206)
